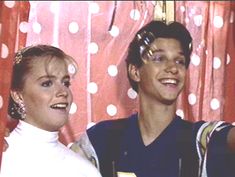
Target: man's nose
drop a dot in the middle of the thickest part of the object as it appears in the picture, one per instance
(171, 66)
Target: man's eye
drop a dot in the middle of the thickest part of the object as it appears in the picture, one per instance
(47, 83)
(181, 62)
(67, 83)
(157, 58)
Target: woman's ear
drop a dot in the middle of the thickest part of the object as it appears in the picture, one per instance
(16, 96)
(133, 72)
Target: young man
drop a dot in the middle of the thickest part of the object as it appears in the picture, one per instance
(155, 142)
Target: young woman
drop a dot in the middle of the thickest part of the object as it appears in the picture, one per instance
(41, 99)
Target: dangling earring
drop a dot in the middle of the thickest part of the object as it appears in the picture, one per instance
(21, 110)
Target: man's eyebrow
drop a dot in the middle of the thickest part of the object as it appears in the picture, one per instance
(157, 50)
(162, 50)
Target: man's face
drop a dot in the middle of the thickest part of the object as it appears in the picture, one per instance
(162, 75)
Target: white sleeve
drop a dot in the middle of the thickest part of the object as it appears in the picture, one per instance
(84, 147)
(203, 137)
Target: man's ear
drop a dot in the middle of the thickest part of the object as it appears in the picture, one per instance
(16, 96)
(134, 72)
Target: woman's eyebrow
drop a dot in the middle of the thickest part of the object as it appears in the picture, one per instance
(52, 77)
(46, 77)
(66, 77)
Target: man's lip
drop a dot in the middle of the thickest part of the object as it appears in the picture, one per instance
(169, 81)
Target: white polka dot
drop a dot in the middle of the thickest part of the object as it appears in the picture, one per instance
(192, 99)
(111, 110)
(92, 87)
(198, 20)
(73, 108)
(37, 27)
(215, 104)
(228, 59)
(231, 20)
(233, 123)
(93, 48)
(195, 60)
(24, 26)
(72, 69)
(186, 20)
(90, 125)
(206, 51)
(135, 14)
(216, 63)
(180, 113)
(73, 27)
(114, 31)
(5, 51)
(193, 11)
(182, 8)
(112, 70)
(94, 8)
(1, 101)
(54, 43)
(33, 4)
(132, 93)
(154, 2)
(9, 4)
(218, 22)
(202, 44)
(54, 7)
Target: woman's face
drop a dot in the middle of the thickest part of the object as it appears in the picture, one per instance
(46, 94)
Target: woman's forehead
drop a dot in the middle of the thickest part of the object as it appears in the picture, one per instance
(50, 65)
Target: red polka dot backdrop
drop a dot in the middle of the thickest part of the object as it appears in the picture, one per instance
(210, 86)
(11, 39)
(97, 34)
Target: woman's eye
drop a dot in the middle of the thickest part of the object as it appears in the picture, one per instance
(67, 83)
(47, 83)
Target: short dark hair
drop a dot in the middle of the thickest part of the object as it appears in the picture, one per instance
(147, 34)
(23, 63)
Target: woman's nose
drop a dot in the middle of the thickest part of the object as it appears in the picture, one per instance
(62, 91)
